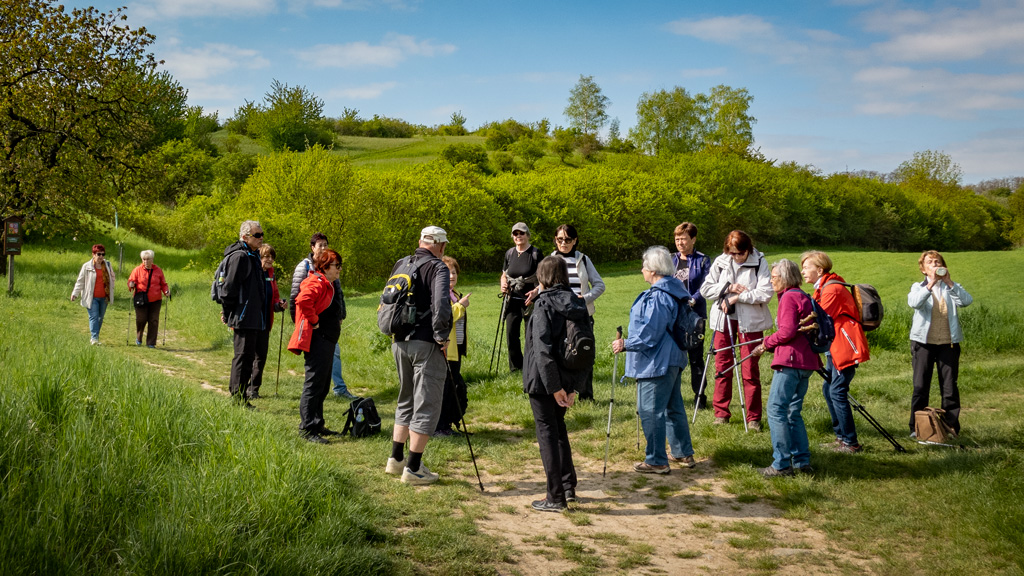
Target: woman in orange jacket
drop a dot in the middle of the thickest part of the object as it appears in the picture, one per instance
(848, 350)
(317, 329)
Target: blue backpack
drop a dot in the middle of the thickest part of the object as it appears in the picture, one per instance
(820, 339)
(688, 328)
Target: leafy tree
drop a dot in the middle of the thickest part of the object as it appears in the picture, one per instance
(936, 167)
(564, 143)
(79, 101)
(587, 106)
(728, 125)
(199, 127)
(530, 150)
(291, 117)
(455, 127)
(668, 122)
(472, 153)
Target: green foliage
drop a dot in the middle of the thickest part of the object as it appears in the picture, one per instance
(241, 122)
(504, 162)
(80, 99)
(502, 135)
(529, 150)
(350, 124)
(674, 122)
(587, 108)
(200, 127)
(175, 171)
(232, 170)
(472, 153)
(291, 118)
(455, 127)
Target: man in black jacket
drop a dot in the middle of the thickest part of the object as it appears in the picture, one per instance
(244, 308)
(420, 358)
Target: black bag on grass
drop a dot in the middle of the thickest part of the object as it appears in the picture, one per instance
(362, 418)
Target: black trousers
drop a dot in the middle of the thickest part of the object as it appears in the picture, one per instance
(319, 362)
(553, 439)
(148, 315)
(454, 402)
(262, 345)
(925, 358)
(241, 364)
(515, 310)
(585, 389)
(695, 358)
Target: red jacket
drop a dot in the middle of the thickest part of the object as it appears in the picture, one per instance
(315, 295)
(851, 345)
(157, 286)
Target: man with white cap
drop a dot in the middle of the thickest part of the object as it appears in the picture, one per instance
(519, 285)
(420, 358)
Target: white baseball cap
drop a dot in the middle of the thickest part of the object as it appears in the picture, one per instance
(433, 234)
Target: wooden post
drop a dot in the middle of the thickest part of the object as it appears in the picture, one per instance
(10, 274)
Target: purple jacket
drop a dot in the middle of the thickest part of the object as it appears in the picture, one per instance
(789, 347)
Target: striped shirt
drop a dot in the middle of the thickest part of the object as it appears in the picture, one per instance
(574, 276)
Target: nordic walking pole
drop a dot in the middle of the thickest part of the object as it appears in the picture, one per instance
(703, 380)
(167, 314)
(608, 431)
(465, 431)
(501, 339)
(736, 375)
(280, 344)
(736, 365)
(501, 316)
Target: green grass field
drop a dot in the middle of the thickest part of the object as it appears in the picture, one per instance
(117, 459)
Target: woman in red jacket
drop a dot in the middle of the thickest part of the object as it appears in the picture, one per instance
(849, 348)
(148, 278)
(793, 362)
(317, 328)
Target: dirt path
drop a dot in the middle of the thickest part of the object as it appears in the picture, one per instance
(651, 524)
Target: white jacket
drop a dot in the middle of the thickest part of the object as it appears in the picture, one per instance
(752, 307)
(86, 283)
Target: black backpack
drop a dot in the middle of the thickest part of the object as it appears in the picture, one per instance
(820, 339)
(580, 349)
(688, 328)
(217, 293)
(363, 419)
(396, 314)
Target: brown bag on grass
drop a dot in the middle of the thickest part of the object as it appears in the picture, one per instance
(930, 427)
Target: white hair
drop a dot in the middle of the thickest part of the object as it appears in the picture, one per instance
(658, 260)
(247, 228)
(147, 254)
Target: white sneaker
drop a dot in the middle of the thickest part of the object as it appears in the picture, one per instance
(421, 477)
(395, 467)
(94, 342)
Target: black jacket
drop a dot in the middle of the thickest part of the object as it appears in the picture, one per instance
(543, 372)
(430, 293)
(245, 288)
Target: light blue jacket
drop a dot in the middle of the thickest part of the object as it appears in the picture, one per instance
(920, 299)
(651, 348)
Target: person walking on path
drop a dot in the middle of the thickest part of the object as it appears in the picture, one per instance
(149, 279)
(95, 285)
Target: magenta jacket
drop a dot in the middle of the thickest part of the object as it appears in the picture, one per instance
(789, 347)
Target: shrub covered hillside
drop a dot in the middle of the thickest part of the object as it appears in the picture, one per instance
(620, 207)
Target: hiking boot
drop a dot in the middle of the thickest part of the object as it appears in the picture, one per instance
(570, 495)
(443, 432)
(394, 467)
(645, 468)
(315, 438)
(547, 506)
(754, 425)
(845, 448)
(685, 461)
(773, 472)
(346, 395)
(719, 420)
(421, 477)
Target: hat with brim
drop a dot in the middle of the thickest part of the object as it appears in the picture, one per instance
(521, 227)
(434, 234)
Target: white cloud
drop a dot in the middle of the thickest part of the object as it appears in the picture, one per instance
(211, 60)
(148, 10)
(395, 49)
(367, 92)
(746, 32)
(950, 35)
(898, 91)
(990, 155)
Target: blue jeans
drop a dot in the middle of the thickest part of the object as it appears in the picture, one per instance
(836, 390)
(662, 413)
(96, 313)
(339, 382)
(785, 401)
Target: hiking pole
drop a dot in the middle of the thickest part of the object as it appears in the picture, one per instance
(167, 314)
(501, 317)
(280, 344)
(703, 381)
(738, 362)
(462, 411)
(737, 376)
(608, 431)
(871, 420)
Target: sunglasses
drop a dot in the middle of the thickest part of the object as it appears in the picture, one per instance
(564, 240)
(101, 254)
(257, 235)
(518, 233)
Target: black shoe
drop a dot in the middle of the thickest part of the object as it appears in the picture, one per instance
(315, 438)
(570, 495)
(700, 402)
(325, 431)
(546, 506)
(254, 396)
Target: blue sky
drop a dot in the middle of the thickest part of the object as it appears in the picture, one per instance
(839, 85)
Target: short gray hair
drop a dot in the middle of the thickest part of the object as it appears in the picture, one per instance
(658, 260)
(789, 273)
(247, 227)
(146, 253)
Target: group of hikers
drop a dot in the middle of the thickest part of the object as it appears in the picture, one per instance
(553, 295)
